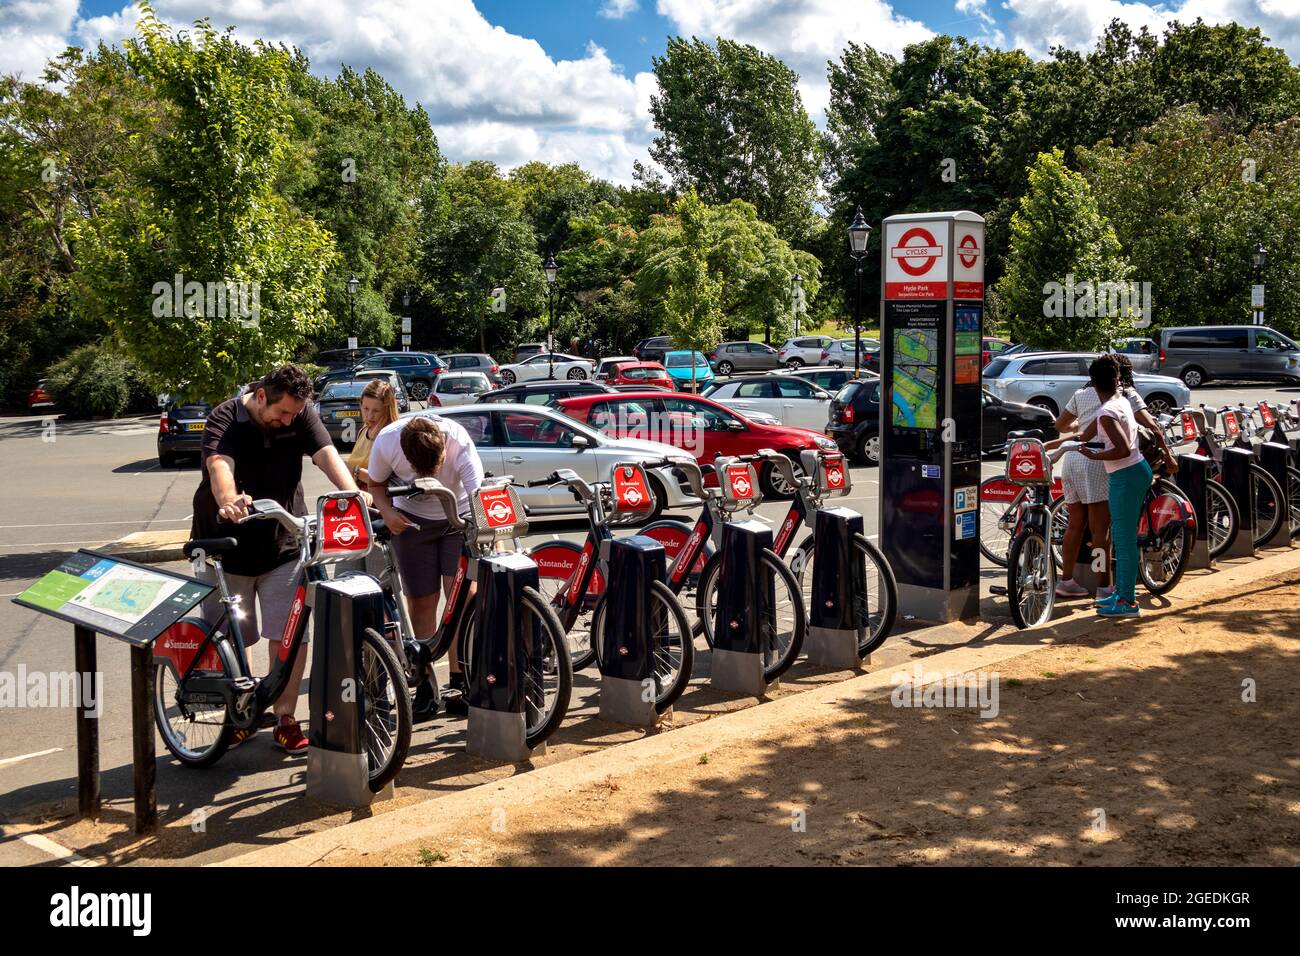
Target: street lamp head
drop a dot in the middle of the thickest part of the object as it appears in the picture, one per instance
(796, 281)
(550, 268)
(352, 284)
(1261, 256)
(406, 299)
(859, 231)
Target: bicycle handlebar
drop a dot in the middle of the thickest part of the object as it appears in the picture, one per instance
(272, 509)
(780, 462)
(422, 488)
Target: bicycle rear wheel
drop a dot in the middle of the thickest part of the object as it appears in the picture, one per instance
(1031, 580)
(548, 667)
(196, 733)
(877, 606)
(386, 709)
(1223, 517)
(783, 631)
(674, 650)
(1294, 480)
(997, 519)
(557, 563)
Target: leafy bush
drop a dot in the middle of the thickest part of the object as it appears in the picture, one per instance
(97, 380)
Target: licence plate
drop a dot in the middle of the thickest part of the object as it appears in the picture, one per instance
(347, 414)
(195, 426)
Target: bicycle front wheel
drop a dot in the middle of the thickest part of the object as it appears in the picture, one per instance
(1293, 475)
(386, 709)
(783, 630)
(1271, 506)
(674, 650)
(548, 668)
(997, 520)
(877, 606)
(1031, 580)
(1223, 518)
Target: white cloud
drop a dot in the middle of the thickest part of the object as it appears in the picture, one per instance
(803, 33)
(1038, 25)
(618, 9)
(989, 34)
(33, 31)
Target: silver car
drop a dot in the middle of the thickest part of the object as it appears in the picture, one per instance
(531, 441)
(804, 350)
(1048, 379)
(744, 357)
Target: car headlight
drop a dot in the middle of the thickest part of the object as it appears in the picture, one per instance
(826, 443)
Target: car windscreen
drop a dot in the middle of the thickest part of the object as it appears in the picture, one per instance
(684, 361)
(342, 390)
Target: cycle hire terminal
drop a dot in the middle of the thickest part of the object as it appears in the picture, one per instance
(932, 320)
(839, 582)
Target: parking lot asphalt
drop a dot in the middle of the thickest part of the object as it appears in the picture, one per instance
(85, 484)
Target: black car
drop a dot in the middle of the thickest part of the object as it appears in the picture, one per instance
(542, 393)
(339, 407)
(654, 349)
(417, 371)
(180, 431)
(855, 420)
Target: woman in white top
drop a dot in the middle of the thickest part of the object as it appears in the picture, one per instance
(1086, 495)
(1129, 477)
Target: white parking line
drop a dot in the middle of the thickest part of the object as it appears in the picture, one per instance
(40, 753)
(46, 845)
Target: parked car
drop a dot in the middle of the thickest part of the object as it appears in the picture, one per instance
(732, 357)
(473, 362)
(683, 376)
(804, 350)
(792, 401)
(840, 354)
(1142, 353)
(992, 348)
(697, 425)
(334, 360)
(339, 406)
(389, 376)
(642, 388)
(526, 350)
(38, 397)
(654, 349)
(830, 377)
(855, 420)
(543, 364)
(1048, 379)
(180, 430)
(542, 393)
(416, 369)
(605, 367)
(640, 373)
(458, 388)
(530, 442)
(1244, 353)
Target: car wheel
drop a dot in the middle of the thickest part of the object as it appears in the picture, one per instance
(794, 363)
(575, 374)
(507, 377)
(1193, 377)
(869, 449)
(1046, 404)
(419, 390)
(1159, 404)
(725, 368)
(774, 485)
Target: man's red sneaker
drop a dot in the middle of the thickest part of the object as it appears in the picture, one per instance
(289, 736)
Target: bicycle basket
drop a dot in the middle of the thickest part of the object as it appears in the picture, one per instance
(632, 494)
(342, 527)
(738, 483)
(498, 513)
(1027, 463)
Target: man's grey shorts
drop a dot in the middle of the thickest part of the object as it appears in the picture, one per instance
(426, 556)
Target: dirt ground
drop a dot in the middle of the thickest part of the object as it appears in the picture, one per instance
(1138, 744)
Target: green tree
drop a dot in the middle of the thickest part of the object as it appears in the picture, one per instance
(1062, 251)
(477, 238)
(861, 88)
(208, 213)
(691, 303)
(552, 195)
(732, 125)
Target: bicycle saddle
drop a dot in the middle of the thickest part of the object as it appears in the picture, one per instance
(1027, 433)
(209, 546)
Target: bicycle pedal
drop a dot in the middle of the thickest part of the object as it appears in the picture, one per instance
(999, 589)
(243, 685)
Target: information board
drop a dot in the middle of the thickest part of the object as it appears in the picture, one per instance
(134, 602)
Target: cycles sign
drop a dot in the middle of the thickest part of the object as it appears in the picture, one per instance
(968, 270)
(343, 527)
(631, 493)
(740, 481)
(916, 262)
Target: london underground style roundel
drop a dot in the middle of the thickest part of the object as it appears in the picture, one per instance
(498, 508)
(631, 490)
(741, 482)
(343, 526)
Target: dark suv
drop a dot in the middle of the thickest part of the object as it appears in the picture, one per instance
(1243, 353)
(335, 359)
(654, 349)
(417, 371)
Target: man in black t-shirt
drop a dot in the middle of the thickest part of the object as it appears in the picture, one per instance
(253, 446)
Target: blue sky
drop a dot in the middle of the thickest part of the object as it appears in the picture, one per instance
(569, 80)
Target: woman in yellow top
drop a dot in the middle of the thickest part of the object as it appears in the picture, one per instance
(378, 411)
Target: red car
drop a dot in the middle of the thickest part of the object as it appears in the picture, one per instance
(640, 373)
(993, 348)
(697, 425)
(38, 397)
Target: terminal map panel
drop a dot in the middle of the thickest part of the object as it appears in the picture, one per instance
(116, 597)
(916, 378)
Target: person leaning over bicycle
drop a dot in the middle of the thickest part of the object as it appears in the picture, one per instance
(253, 446)
(426, 445)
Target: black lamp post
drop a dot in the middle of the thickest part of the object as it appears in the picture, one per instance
(551, 270)
(352, 304)
(1260, 259)
(796, 286)
(859, 232)
(406, 311)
